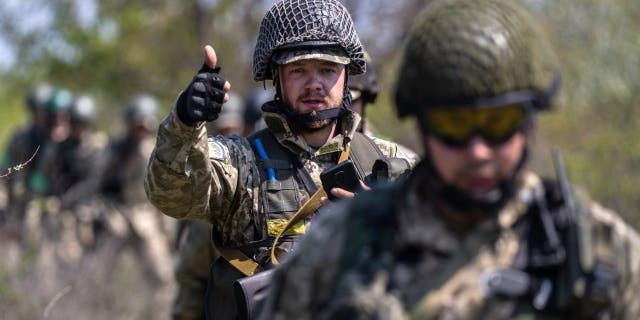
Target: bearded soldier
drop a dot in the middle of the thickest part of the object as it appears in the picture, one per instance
(248, 188)
(472, 233)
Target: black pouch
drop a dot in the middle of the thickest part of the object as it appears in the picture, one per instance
(250, 292)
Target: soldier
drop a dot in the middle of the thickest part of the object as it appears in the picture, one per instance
(364, 91)
(472, 233)
(56, 126)
(253, 120)
(131, 221)
(22, 146)
(248, 188)
(69, 162)
(231, 118)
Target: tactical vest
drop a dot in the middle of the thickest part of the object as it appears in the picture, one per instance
(538, 277)
(279, 199)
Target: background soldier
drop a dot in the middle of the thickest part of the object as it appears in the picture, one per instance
(21, 147)
(364, 91)
(69, 162)
(307, 48)
(132, 222)
(472, 234)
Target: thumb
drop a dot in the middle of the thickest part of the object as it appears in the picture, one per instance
(210, 57)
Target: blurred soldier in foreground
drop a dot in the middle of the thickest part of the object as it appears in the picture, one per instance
(472, 234)
(249, 188)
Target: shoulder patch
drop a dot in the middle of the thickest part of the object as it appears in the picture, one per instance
(217, 150)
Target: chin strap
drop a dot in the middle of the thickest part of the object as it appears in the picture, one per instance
(313, 116)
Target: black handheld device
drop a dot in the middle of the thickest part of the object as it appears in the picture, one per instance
(343, 175)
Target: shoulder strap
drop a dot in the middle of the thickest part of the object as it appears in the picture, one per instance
(279, 156)
(364, 153)
(306, 210)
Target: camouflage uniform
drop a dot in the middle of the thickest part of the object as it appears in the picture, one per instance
(192, 271)
(68, 162)
(420, 268)
(190, 176)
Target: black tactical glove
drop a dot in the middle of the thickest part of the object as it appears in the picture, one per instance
(202, 100)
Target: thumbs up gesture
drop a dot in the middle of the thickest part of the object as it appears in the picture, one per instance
(203, 98)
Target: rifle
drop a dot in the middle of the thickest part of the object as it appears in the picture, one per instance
(573, 279)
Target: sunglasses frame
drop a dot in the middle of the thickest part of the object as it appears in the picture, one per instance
(478, 132)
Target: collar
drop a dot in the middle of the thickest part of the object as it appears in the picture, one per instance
(420, 210)
(277, 123)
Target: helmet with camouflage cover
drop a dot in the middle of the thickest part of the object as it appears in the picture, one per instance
(475, 53)
(307, 24)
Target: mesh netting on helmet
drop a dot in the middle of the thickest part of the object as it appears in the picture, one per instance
(293, 21)
(475, 52)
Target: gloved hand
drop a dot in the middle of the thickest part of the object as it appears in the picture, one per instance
(202, 100)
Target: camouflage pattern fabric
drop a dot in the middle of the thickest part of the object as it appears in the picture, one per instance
(192, 271)
(217, 180)
(192, 177)
(69, 162)
(421, 269)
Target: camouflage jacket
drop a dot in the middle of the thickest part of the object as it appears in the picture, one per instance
(217, 179)
(414, 266)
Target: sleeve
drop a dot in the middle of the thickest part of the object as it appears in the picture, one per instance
(617, 242)
(302, 285)
(395, 150)
(189, 176)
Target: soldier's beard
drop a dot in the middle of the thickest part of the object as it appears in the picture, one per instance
(314, 126)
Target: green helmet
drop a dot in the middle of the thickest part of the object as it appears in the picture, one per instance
(475, 53)
(59, 101)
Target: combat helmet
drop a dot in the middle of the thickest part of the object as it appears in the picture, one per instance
(231, 115)
(82, 110)
(475, 53)
(59, 101)
(253, 104)
(38, 96)
(141, 109)
(366, 85)
(306, 24)
(293, 30)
